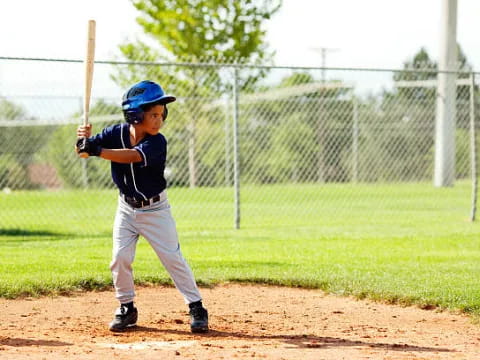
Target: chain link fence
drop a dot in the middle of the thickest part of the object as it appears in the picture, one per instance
(249, 146)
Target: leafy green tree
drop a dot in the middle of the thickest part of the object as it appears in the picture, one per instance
(298, 133)
(422, 67)
(73, 171)
(463, 91)
(11, 111)
(18, 144)
(12, 174)
(405, 125)
(196, 31)
(102, 107)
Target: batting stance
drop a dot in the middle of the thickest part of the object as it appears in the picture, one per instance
(137, 152)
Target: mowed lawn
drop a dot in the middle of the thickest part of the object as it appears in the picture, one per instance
(403, 243)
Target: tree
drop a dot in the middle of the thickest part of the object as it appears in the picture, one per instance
(11, 111)
(422, 67)
(407, 115)
(18, 144)
(297, 131)
(101, 107)
(208, 28)
(195, 31)
(73, 171)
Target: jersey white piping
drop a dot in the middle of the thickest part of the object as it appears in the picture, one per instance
(131, 168)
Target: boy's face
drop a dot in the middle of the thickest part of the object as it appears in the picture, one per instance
(152, 120)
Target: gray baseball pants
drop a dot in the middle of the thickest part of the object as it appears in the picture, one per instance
(156, 224)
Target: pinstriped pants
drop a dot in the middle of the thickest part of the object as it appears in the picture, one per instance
(156, 224)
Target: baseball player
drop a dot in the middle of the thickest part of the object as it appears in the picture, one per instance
(137, 152)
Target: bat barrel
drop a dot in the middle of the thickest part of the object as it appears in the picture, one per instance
(89, 62)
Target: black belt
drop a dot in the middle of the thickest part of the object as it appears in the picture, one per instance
(140, 203)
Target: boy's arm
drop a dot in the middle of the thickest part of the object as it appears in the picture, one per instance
(92, 147)
(124, 156)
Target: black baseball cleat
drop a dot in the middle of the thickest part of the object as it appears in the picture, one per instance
(198, 318)
(125, 317)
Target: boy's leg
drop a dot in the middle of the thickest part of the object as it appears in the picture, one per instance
(124, 242)
(158, 226)
(125, 239)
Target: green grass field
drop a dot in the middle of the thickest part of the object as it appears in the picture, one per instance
(409, 243)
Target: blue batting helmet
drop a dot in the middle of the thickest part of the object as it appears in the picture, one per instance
(141, 94)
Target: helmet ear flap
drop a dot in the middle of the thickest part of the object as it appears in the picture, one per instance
(165, 112)
(133, 116)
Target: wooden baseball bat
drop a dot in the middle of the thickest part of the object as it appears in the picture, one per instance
(89, 62)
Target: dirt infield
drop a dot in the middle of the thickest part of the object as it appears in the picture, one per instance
(247, 322)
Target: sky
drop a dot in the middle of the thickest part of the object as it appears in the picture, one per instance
(367, 33)
(379, 34)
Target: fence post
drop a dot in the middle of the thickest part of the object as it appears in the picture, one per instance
(473, 148)
(355, 141)
(236, 167)
(228, 138)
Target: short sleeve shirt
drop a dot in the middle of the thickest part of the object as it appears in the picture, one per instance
(141, 180)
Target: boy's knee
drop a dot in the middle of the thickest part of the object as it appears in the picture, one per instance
(121, 258)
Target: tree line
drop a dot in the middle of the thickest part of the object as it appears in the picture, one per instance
(314, 134)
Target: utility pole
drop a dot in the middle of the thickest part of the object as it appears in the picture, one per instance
(323, 52)
(446, 96)
(320, 126)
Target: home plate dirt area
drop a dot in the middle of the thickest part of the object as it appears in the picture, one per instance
(246, 321)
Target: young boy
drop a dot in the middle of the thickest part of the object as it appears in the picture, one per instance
(137, 152)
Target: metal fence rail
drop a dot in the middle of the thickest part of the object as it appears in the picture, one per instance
(274, 137)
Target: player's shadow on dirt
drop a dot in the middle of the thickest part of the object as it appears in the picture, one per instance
(299, 341)
(313, 342)
(17, 342)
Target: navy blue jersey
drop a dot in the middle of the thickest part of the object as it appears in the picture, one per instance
(141, 180)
